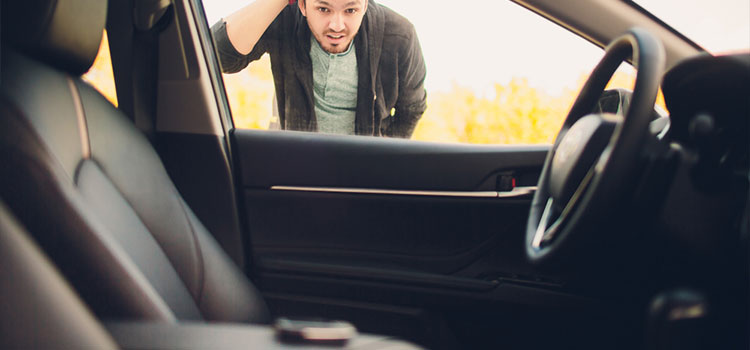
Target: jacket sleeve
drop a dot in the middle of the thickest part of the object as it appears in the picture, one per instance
(230, 59)
(412, 96)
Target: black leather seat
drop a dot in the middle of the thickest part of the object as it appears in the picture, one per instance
(89, 186)
(39, 311)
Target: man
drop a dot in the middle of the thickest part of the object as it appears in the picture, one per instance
(339, 66)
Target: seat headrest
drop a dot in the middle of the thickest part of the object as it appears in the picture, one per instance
(63, 33)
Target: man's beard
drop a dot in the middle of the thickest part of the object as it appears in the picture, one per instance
(334, 48)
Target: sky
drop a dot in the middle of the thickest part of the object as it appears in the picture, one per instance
(493, 41)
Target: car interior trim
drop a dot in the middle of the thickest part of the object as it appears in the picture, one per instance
(185, 46)
(516, 192)
(375, 274)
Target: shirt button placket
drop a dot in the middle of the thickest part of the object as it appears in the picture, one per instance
(332, 68)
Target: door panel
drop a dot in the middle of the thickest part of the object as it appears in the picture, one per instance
(432, 234)
(350, 228)
(388, 218)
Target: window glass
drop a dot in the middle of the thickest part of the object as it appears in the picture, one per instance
(100, 74)
(499, 75)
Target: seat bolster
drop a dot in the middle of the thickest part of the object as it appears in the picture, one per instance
(226, 295)
(39, 193)
(129, 161)
(40, 310)
(123, 225)
(219, 288)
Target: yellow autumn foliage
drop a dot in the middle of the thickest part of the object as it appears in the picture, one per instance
(250, 95)
(518, 113)
(100, 74)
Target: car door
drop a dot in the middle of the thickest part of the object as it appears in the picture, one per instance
(419, 238)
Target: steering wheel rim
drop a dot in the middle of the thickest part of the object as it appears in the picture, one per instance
(557, 233)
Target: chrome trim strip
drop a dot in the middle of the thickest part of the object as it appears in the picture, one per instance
(518, 191)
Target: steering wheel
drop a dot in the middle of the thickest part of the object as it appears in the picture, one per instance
(593, 158)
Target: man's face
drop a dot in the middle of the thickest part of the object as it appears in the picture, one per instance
(334, 23)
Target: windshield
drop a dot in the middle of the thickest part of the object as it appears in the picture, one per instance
(717, 26)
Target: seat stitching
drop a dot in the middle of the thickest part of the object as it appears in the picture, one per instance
(81, 118)
(199, 254)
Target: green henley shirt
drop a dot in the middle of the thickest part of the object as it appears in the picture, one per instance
(335, 88)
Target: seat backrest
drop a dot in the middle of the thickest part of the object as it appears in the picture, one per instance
(91, 189)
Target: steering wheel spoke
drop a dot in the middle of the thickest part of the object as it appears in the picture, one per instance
(545, 232)
(541, 230)
(594, 158)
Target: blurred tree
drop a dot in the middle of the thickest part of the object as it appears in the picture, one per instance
(100, 74)
(250, 95)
